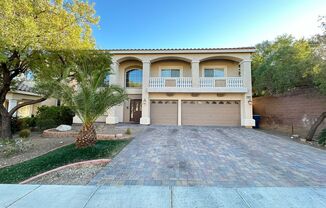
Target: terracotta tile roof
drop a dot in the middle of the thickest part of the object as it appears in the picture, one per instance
(181, 49)
(25, 87)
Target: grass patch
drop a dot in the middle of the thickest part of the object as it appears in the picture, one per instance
(59, 157)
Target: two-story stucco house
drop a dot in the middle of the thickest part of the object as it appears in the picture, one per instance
(205, 86)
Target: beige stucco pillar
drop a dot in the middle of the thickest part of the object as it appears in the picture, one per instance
(247, 119)
(195, 73)
(179, 112)
(11, 104)
(145, 118)
(112, 117)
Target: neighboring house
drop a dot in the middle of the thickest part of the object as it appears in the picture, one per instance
(183, 86)
(24, 92)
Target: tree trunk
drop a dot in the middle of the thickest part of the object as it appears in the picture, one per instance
(314, 127)
(86, 136)
(6, 125)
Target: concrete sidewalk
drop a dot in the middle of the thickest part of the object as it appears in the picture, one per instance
(45, 196)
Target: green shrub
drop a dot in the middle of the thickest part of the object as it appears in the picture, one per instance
(322, 137)
(128, 131)
(18, 124)
(30, 121)
(15, 125)
(44, 124)
(25, 133)
(57, 114)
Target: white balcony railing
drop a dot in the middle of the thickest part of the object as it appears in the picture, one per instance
(180, 82)
(205, 82)
(230, 82)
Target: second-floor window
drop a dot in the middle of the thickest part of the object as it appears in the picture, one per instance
(214, 72)
(170, 73)
(134, 78)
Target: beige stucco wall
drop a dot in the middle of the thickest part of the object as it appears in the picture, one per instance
(232, 67)
(48, 102)
(29, 110)
(157, 66)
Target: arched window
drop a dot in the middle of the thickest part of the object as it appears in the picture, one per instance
(134, 78)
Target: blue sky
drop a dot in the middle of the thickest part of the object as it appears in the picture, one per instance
(202, 23)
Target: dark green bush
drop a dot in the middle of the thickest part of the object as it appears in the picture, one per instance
(25, 133)
(322, 137)
(52, 116)
(18, 124)
(30, 121)
(15, 125)
(128, 131)
(43, 124)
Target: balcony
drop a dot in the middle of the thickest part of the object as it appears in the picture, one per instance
(206, 84)
(230, 82)
(162, 82)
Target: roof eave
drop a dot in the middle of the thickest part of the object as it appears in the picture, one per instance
(175, 51)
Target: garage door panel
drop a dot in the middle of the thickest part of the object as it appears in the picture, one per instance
(211, 113)
(164, 112)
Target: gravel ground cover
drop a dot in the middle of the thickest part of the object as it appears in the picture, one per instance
(35, 146)
(80, 175)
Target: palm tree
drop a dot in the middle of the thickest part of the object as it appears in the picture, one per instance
(83, 88)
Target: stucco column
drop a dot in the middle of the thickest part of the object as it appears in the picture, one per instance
(179, 112)
(247, 119)
(145, 118)
(112, 117)
(195, 73)
(11, 104)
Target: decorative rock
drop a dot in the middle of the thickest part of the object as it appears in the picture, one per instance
(119, 135)
(295, 136)
(63, 128)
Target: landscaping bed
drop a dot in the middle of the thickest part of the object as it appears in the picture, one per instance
(59, 157)
(73, 174)
(104, 131)
(30, 148)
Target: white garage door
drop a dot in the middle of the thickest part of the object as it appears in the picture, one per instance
(164, 112)
(211, 113)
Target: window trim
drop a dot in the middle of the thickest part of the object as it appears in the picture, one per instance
(171, 67)
(224, 67)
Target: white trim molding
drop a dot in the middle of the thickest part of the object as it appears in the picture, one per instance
(243, 61)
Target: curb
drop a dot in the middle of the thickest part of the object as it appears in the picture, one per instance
(52, 133)
(99, 161)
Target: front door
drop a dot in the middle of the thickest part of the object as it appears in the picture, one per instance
(135, 110)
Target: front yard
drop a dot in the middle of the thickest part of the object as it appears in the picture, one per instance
(30, 148)
(59, 157)
(35, 155)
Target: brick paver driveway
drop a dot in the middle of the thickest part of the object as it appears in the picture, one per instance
(224, 157)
